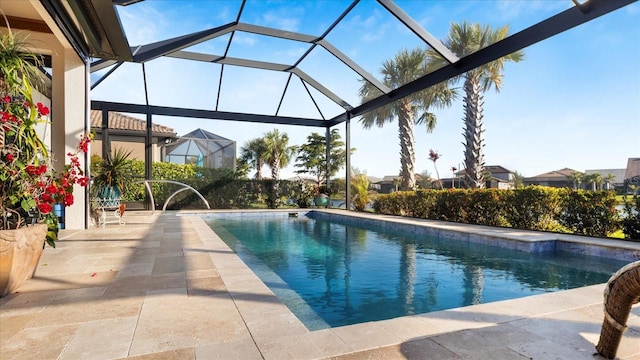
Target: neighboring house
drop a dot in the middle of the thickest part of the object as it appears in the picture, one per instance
(388, 184)
(202, 148)
(501, 178)
(556, 178)
(129, 132)
(391, 183)
(632, 173)
(617, 182)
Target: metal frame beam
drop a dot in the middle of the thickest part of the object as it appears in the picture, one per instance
(204, 114)
(423, 34)
(155, 50)
(545, 29)
(264, 66)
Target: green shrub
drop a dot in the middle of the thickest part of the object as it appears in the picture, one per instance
(534, 208)
(590, 213)
(631, 218)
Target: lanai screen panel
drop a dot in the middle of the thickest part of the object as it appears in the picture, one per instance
(203, 149)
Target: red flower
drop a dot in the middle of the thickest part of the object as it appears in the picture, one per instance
(31, 170)
(45, 208)
(43, 110)
(68, 200)
(9, 157)
(83, 181)
(51, 189)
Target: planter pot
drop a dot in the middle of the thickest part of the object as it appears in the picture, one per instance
(321, 200)
(20, 251)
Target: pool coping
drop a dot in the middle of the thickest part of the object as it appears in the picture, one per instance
(517, 239)
(279, 334)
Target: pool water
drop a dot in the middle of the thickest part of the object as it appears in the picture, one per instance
(332, 274)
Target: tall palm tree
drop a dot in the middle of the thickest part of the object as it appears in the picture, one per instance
(597, 181)
(253, 153)
(609, 180)
(407, 66)
(465, 39)
(277, 153)
(434, 156)
(576, 178)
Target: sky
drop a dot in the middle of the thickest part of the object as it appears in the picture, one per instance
(573, 102)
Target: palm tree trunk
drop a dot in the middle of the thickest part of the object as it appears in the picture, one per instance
(473, 134)
(407, 146)
(259, 164)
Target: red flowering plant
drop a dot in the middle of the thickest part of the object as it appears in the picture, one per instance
(29, 185)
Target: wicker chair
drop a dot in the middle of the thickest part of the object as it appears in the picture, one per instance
(622, 291)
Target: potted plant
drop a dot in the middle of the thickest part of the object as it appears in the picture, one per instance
(113, 174)
(321, 197)
(29, 186)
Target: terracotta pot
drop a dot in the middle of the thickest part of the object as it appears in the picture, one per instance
(20, 251)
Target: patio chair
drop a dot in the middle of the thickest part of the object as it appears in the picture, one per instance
(622, 291)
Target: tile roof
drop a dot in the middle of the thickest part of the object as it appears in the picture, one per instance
(633, 168)
(118, 121)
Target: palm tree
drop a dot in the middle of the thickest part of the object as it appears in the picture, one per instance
(597, 181)
(277, 153)
(609, 180)
(434, 156)
(576, 178)
(465, 39)
(594, 179)
(407, 66)
(253, 153)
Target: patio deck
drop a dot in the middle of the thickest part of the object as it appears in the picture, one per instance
(166, 287)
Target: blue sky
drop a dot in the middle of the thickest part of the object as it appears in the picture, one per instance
(573, 102)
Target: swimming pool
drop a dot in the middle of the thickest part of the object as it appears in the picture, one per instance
(332, 273)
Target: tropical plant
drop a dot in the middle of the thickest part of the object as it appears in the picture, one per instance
(360, 188)
(609, 181)
(453, 175)
(595, 179)
(434, 156)
(631, 217)
(113, 174)
(253, 153)
(29, 184)
(465, 39)
(312, 156)
(576, 178)
(277, 153)
(408, 65)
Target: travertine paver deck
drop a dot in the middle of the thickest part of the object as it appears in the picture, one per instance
(166, 287)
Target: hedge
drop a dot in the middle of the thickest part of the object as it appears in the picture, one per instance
(590, 213)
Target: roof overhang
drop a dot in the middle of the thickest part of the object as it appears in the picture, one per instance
(92, 26)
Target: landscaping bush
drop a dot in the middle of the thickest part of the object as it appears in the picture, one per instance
(532, 207)
(631, 218)
(590, 213)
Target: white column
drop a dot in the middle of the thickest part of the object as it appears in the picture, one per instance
(68, 119)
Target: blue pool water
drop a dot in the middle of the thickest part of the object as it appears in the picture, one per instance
(332, 274)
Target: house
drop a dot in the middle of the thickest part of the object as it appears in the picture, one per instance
(128, 132)
(202, 148)
(632, 173)
(556, 178)
(391, 183)
(611, 178)
(501, 178)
